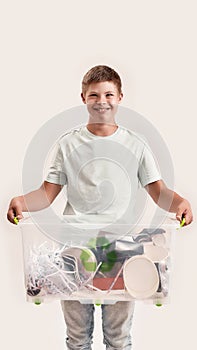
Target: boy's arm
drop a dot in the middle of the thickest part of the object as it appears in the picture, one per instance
(33, 201)
(170, 201)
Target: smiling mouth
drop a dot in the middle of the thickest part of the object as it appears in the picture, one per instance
(101, 109)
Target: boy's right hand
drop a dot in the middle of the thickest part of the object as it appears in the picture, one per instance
(36, 200)
(15, 210)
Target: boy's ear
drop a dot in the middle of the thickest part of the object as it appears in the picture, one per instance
(83, 98)
(121, 97)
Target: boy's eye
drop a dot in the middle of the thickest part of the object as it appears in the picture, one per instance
(92, 95)
(109, 94)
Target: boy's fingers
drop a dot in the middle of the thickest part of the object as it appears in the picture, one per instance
(179, 215)
(20, 216)
(186, 214)
(17, 218)
(10, 216)
(17, 210)
(188, 218)
(14, 213)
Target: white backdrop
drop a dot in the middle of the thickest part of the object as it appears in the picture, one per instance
(46, 47)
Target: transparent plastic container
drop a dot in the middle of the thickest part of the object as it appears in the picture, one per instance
(96, 263)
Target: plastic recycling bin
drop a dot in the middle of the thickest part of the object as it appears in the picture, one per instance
(96, 263)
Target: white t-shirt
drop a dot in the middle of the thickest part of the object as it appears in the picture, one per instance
(102, 173)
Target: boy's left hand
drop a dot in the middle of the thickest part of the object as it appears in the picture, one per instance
(184, 211)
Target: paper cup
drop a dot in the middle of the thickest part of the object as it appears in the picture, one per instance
(81, 260)
(159, 240)
(155, 253)
(141, 277)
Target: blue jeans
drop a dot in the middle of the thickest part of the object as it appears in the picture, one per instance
(116, 323)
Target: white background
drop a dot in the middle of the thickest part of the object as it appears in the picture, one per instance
(46, 47)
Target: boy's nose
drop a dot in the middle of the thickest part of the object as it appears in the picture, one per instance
(101, 99)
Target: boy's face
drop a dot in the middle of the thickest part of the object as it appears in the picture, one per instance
(102, 100)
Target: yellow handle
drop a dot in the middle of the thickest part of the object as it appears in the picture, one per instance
(182, 222)
(16, 220)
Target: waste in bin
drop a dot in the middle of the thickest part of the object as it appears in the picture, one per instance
(96, 263)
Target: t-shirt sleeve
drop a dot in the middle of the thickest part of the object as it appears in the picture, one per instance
(56, 173)
(148, 171)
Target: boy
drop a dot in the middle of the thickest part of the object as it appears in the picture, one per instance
(102, 93)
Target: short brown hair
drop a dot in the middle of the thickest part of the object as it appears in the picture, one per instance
(101, 73)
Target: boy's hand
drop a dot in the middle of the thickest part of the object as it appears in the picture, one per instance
(184, 211)
(170, 201)
(15, 210)
(33, 201)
